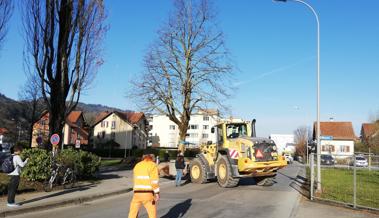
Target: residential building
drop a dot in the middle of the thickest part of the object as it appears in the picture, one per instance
(336, 138)
(368, 131)
(75, 130)
(285, 143)
(165, 133)
(127, 129)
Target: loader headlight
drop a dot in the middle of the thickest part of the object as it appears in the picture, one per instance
(274, 148)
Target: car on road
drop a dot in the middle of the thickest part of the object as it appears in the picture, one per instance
(360, 161)
(289, 158)
(327, 159)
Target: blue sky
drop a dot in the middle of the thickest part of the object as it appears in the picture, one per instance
(273, 46)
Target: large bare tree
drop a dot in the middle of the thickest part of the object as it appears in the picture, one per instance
(301, 138)
(5, 14)
(32, 103)
(63, 39)
(187, 67)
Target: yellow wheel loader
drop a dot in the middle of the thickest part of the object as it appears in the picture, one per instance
(237, 153)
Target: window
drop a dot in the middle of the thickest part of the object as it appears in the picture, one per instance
(102, 123)
(205, 127)
(194, 135)
(106, 124)
(328, 148)
(113, 124)
(172, 127)
(205, 118)
(103, 134)
(205, 135)
(193, 126)
(345, 148)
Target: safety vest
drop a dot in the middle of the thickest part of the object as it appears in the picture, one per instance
(146, 176)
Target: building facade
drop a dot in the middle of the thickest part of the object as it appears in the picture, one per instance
(336, 138)
(126, 129)
(165, 133)
(285, 143)
(74, 131)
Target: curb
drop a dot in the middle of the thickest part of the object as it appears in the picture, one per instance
(57, 204)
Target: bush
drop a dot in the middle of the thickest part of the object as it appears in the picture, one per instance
(85, 163)
(38, 166)
(89, 164)
(40, 161)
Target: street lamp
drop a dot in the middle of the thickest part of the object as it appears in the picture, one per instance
(318, 89)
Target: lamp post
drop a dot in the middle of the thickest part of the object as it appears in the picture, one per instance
(318, 89)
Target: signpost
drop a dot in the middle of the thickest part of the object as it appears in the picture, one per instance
(54, 140)
(77, 143)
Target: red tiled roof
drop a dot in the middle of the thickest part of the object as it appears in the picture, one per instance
(74, 116)
(3, 130)
(101, 116)
(368, 129)
(339, 130)
(134, 117)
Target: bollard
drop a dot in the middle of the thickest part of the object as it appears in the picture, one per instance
(312, 175)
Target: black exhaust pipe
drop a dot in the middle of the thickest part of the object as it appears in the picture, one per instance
(253, 132)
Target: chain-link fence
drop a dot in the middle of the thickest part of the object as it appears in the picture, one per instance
(347, 179)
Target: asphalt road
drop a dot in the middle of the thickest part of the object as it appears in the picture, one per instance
(199, 200)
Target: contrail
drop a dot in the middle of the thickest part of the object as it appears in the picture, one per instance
(274, 71)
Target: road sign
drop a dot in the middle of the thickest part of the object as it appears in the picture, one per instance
(77, 143)
(54, 139)
(326, 137)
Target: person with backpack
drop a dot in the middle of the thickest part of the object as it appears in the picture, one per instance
(179, 165)
(15, 175)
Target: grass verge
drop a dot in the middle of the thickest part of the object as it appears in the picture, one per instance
(338, 185)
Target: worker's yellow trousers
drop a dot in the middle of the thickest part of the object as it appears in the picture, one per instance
(145, 199)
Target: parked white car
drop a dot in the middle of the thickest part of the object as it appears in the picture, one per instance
(289, 158)
(360, 161)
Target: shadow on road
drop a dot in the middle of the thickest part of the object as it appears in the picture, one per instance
(81, 188)
(179, 210)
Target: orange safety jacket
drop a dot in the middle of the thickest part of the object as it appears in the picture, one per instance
(145, 176)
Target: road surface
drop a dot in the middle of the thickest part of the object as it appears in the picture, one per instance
(198, 200)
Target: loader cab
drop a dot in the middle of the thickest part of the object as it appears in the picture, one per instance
(227, 132)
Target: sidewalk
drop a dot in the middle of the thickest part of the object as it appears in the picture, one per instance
(111, 183)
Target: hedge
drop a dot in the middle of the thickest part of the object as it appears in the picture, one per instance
(40, 161)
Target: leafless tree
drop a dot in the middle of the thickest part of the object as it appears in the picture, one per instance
(31, 98)
(187, 67)
(5, 14)
(63, 39)
(301, 138)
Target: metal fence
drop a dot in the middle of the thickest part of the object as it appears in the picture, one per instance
(347, 179)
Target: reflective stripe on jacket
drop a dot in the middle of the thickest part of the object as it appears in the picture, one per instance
(145, 176)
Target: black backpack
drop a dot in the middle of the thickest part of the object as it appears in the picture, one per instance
(8, 166)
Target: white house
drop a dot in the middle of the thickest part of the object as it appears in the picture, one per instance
(336, 138)
(127, 129)
(165, 133)
(284, 142)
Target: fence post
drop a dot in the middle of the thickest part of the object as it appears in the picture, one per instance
(312, 175)
(355, 183)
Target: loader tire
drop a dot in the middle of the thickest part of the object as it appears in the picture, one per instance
(198, 171)
(224, 174)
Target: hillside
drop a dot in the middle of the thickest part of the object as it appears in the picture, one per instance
(12, 111)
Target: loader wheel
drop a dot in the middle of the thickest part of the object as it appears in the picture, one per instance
(224, 174)
(198, 171)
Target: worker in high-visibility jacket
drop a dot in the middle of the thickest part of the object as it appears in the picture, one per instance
(146, 186)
